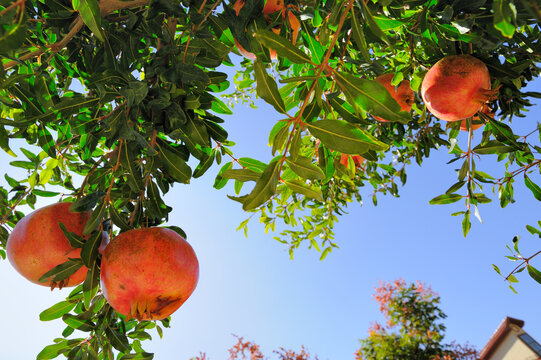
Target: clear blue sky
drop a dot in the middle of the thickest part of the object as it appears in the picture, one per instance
(250, 287)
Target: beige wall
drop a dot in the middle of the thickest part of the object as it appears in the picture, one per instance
(512, 348)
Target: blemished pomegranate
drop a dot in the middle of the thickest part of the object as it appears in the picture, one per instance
(37, 243)
(148, 273)
(403, 94)
(456, 87)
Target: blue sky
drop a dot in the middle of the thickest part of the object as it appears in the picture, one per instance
(250, 287)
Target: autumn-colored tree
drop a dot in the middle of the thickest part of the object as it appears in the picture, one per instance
(413, 329)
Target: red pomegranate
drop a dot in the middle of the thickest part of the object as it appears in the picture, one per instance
(486, 110)
(403, 95)
(37, 243)
(357, 159)
(456, 87)
(148, 273)
(271, 6)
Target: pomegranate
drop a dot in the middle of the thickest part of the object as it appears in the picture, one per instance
(357, 159)
(37, 243)
(148, 273)
(486, 110)
(403, 94)
(456, 87)
(271, 6)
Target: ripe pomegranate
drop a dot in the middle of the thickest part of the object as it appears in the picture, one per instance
(148, 273)
(456, 87)
(357, 159)
(37, 243)
(403, 95)
(486, 110)
(271, 6)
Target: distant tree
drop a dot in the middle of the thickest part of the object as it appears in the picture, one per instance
(414, 328)
(247, 350)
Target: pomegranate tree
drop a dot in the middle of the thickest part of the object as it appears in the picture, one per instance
(456, 87)
(148, 273)
(403, 94)
(37, 243)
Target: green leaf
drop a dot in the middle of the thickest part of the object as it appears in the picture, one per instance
(78, 323)
(534, 273)
(75, 240)
(89, 252)
(504, 17)
(492, 147)
(300, 187)
(267, 88)
(45, 140)
(44, 193)
(535, 189)
(466, 223)
(241, 175)
(370, 96)
(253, 164)
(87, 203)
(204, 165)
(90, 13)
(173, 163)
(142, 356)
(282, 46)
(62, 271)
(358, 37)
(56, 311)
(118, 340)
(445, 199)
(95, 219)
(502, 132)
(325, 252)
(344, 137)
(52, 351)
(372, 24)
(304, 167)
(264, 188)
(91, 284)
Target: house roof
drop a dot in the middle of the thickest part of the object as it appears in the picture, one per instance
(499, 335)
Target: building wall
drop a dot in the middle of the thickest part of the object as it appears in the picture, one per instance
(512, 348)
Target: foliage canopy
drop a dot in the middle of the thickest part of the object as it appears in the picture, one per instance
(113, 102)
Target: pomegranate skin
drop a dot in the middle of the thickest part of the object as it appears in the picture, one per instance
(456, 87)
(148, 273)
(37, 243)
(403, 95)
(486, 110)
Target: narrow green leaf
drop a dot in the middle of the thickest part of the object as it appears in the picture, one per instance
(241, 175)
(45, 140)
(534, 273)
(52, 351)
(373, 25)
(344, 137)
(89, 252)
(95, 219)
(304, 167)
(267, 88)
(300, 187)
(131, 168)
(56, 311)
(173, 163)
(118, 340)
(358, 36)
(445, 199)
(140, 356)
(370, 96)
(492, 147)
(282, 46)
(62, 271)
(91, 284)
(90, 13)
(75, 240)
(325, 252)
(264, 188)
(466, 223)
(77, 323)
(535, 189)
